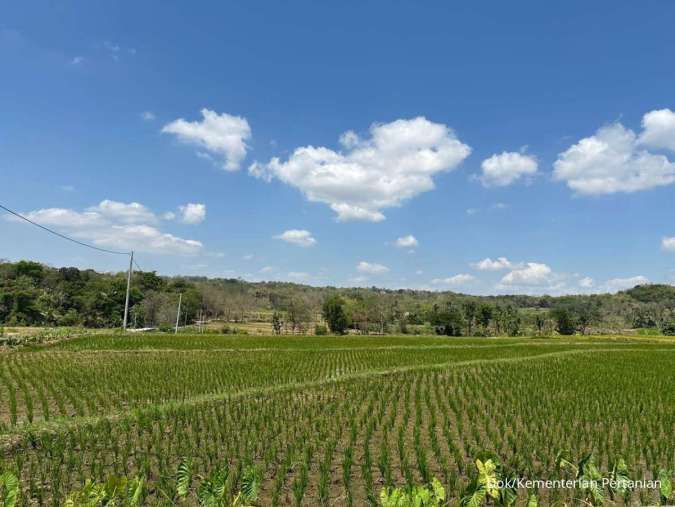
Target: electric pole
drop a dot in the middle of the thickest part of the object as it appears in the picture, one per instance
(126, 303)
(180, 298)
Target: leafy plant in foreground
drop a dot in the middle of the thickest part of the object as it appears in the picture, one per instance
(115, 491)
(666, 487)
(212, 491)
(432, 495)
(486, 486)
(9, 489)
(591, 479)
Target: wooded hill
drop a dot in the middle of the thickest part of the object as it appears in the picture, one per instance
(35, 294)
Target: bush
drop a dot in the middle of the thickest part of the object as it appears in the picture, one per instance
(335, 314)
(320, 330)
(668, 328)
(565, 320)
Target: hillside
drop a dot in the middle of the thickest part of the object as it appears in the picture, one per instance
(39, 295)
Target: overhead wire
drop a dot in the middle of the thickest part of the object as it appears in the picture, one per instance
(19, 215)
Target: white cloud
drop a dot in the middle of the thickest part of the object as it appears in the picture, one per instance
(668, 244)
(298, 237)
(371, 268)
(586, 283)
(147, 238)
(221, 135)
(131, 213)
(659, 129)
(506, 168)
(453, 281)
(192, 213)
(488, 264)
(77, 60)
(407, 241)
(267, 269)
(612, 161)
(115, 225)
(532, 273)
(148, 116)
(396, 163)
(617, 284)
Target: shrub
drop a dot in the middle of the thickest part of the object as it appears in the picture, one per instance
(668, 328)
(320, 330)
(423, 496)
(564, 320)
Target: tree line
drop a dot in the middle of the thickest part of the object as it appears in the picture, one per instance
(38, 295)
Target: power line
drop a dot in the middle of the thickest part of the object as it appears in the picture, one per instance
(61, 235)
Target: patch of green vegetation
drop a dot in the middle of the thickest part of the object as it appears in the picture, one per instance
(323, 418)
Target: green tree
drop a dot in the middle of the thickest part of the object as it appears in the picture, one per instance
(565, 322)
(335, 315)
(485, 312)
(470, 314)
(276, 323)
(449, 321)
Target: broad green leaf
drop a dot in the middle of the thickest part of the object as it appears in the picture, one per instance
(184, 477)
(666, 487)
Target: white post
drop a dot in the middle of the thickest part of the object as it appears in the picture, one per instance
(126, 302)
(180, 298)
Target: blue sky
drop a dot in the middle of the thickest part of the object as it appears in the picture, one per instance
(210, 138)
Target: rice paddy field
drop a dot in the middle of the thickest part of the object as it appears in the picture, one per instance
(332, 420)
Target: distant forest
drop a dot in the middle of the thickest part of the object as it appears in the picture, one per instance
(33, 294)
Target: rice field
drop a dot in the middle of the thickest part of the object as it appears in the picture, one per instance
(331, 420)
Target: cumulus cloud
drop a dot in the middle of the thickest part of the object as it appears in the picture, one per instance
(506, 168)
(668, 244)
(396, 163)
(454, 281)
(532, 273)
(192, 213)
(658, 129)
(222, 136)
(488, 264)
(298, 237)
(612, 161)
(115, 225)
(131, 213)
(371, 268)
(408, 241)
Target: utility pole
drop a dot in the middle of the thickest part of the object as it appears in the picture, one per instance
(126, 303)
(180, 299)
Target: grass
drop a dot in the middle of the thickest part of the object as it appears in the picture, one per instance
(330, 419)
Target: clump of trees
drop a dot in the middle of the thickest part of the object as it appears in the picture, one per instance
(38, 295)
(572, 315)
